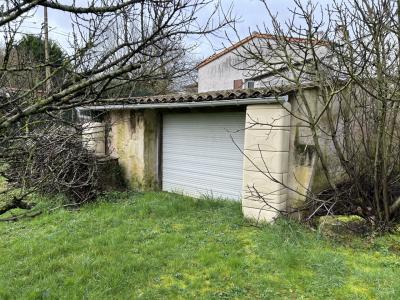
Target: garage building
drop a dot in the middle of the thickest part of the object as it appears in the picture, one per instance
(238, 145)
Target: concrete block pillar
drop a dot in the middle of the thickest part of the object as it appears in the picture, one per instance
(266, 159)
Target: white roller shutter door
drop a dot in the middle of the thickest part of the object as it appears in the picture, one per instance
(199, 156)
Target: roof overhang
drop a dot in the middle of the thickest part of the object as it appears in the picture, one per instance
(276, 94)
(172, 105)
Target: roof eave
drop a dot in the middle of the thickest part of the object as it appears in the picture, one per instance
(169, 105)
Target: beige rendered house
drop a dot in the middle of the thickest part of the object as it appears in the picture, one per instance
(234, 140)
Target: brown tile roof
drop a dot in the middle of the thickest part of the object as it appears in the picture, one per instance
(246, 40)
(203, 97)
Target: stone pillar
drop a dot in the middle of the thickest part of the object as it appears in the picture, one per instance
(265, 166)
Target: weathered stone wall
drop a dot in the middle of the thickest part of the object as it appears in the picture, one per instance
(133, 139)
(305, 170)
(301, 156)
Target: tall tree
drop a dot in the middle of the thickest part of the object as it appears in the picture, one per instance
(30, 50)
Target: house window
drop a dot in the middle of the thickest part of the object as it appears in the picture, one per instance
(238, 84)
(250, 84)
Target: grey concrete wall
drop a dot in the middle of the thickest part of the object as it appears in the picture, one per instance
(302, 160)
(304, 168)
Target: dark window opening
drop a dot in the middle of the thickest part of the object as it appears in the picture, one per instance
(250, 84)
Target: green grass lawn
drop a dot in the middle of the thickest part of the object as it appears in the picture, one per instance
(164, 246)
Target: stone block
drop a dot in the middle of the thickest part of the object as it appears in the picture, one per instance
(259, 215)
(267, 117)
(256, 181)
(266, 161)
(269, 140)
(267, 202)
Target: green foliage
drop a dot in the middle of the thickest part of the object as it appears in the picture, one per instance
(33, 47)
(30, 52)
(165, 246)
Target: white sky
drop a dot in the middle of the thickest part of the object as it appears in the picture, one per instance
(250, 12)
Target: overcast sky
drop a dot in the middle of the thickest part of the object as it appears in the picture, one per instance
(250, 12)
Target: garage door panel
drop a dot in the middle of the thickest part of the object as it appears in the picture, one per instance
(199, 189)
(198, 186)
(199, 156)
(201, 140)
(203, 165)
(171, 146)
(202, 158)
(198, 192)
(195, 142)
(228, 178)
(205, 153)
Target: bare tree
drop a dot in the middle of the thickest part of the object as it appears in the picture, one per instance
(349, 53)
(114, 44)
(150, 31)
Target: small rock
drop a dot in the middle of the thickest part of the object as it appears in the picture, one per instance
(341, 225)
